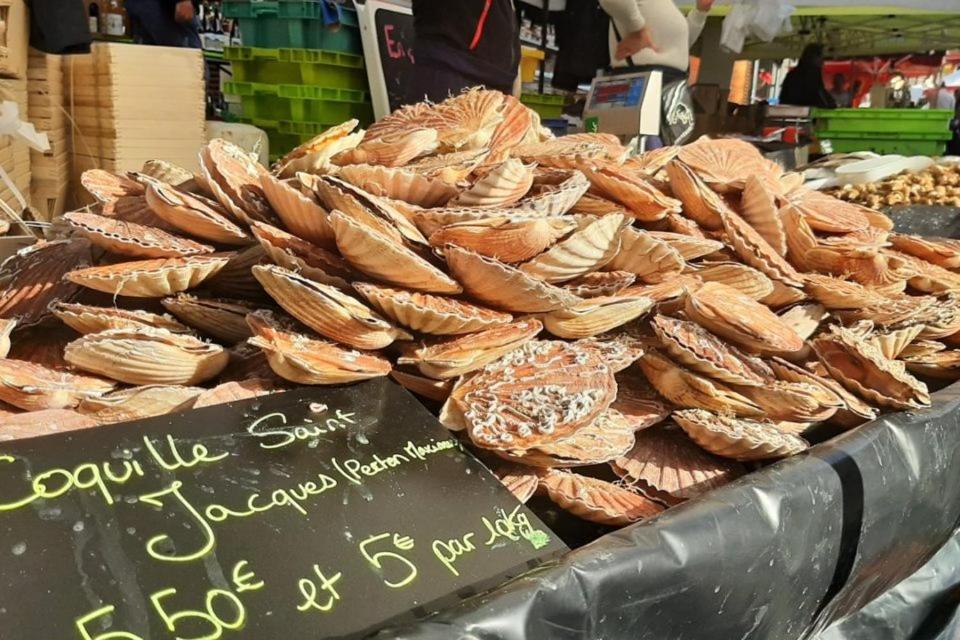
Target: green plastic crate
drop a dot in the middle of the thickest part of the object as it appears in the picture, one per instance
(907, 144)
(546, 105)
(327, 69)
(293, 24)
(883, 122)
(301, 102)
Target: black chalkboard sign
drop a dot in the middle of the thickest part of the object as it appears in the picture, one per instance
(395, 37)
(308, 514)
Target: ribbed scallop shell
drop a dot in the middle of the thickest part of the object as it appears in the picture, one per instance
(327, 310)
(135, 209)
(644, 201)
(399, 184)
(693, 346)
(503, 286)
(224, 320)
(33, 387)
(149, 278)
(746, 280)
(596, 500)
(685, 388)
(235, 280)
(84, 318)
(314, 155)
(194, 215)
(600, 283)
(290, 252)
(689, 247)
(725, 163)
(782, 295)
(234, 178)
(651, 259)
(235, 391)
(555, 200)
(380, 257)
(759, 209)
(134, 240)
(700, 202)
(147, 356)
(592, 246)
(825, 213)
(943, 365)
(943, 252)
(595, 316)
(300, 213)
(435, 390)
(6, 328)
(427, 313)
(608, 437)
(166, 172)
(618, 349)
(33, 278)
(394, 150)
(506, 239)
(893, 342)
(43, 423)
(561, 153)
(756, 252)
(518, 479)
(738, 438)
(107, 187)
(836, 293)
(503, 185)
(794, 401)
(139, 402)
(452, 168)
(447, 358)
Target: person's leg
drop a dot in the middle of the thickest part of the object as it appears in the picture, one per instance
(435, 84)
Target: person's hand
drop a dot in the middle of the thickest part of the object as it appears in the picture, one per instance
(704, 6)
(634, 42)
(184, 12)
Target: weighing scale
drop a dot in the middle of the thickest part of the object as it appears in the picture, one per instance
(626, 105)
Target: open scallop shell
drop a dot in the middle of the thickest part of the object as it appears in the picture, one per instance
(43, 423)
(836, 293)
(235, 391)
(435, 390)
(643, 200)
(137, 210)
(194, 215)
(503, 286)
(149, 278)
(804, 319)
(597, 500)
(314, 155)
(638, 401)
(304, 360)
(555, 200)
(609, 436)
(725, 163)
(399, 184)
(224, 320)
(591, 204)
(300, 213)
(518, 479)
(382, 258)
(467, 120)
(235, 279)
(394, 150)
(689, 247)
(107, 187)
(32, 278)
(234, 178)
(6, 328)
(518, 122)
(147, 356)
(738, 438)
(596, 315)
(794, 401)
(84, 318)
(685, 388)
(139, 402)
(452, 168)
(943, 252)
(290, 252)
(943, 365)
(618, 349)
(327, 310)
(134, 240)
(757, 252)
(592, 246)
(700, 202)
(167, 173)
(664, 461)
(759, 209)
(825, 213)
(651, 259)
(447, 358)
(503, 185)
(427, 313)
(664, 291)
(738, 318)
(782, 295)
(561, 153)
(926, 276)
(509, 240)
(747, 280)
(32, 387)
(600, 283)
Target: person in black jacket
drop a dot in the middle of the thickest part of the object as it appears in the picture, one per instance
(166, 23)
(803, 86)
(463, 44)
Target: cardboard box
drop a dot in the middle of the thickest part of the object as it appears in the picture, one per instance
(14, 39)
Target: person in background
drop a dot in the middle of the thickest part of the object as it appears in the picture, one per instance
(803, 86)
(463, 44)
(839, 92)
(898, 93)
(165, 23)
(653, 34)
(942, 98)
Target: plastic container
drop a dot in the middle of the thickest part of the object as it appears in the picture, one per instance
(294, 24)
(548, 106)
(297, 66)
(530, 59)
(916, 144)
(874, 169)
(245, 135)
(881, 122)
(301, 102)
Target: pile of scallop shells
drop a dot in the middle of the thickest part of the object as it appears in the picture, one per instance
(619, 333)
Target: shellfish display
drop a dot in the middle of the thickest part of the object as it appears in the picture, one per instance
(617, 333)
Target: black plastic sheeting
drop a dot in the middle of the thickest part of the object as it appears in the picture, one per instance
(854, 540)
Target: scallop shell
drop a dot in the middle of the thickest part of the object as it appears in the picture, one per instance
(539, 393)
(928, 277)
(84, 318)
(467, 120)
(919, 348)
(235, 279)
(327, 310)
(147, 356)
(651, 162)
(561, 153)
(597, 500)
(782, 295)
(447, 358)
(43, 423)
(725, 163)
(687, 389)
(506, 239)
(663, 291)
(427, 313)
(700, 203)
(380, 257)
(134, 240)
(300, 213)
(794, 401)
(107, 187)
(290, 252)
(600, 283)
(941, 365)
(556, 200)
(695, 347)
(738, 438)
(641, 253)
(234, 178)
(608, 437)
(592, 246)
(33, 387)
(835, 293)
(503, 286)
(520, 480)
(399, 184)
(6, 328)
(738, 318)
(394, 150)
(137, 210)
(689, 247)
(638, 402)
(138, 403)
(665, 461)
(32, 278)
(760, 211)
(224, 320)
(505, 184)
(314, 155)
(756, 252)
(747, 280)
(943, 252)
(641, 199)
(304, 360)
(451, 168)
(435, 390)
(825, 213)
(804, 319)
(596, 315)
(194, 215)
(591, 204)
(518, 122)
(149, 278)
(167, 172)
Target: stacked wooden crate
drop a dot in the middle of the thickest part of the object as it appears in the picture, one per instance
(51, 170)
(15, 154)
(132, 103)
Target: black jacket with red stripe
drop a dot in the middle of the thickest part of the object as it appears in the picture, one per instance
(479, 39)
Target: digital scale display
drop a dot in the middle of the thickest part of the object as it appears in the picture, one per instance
(618, 93)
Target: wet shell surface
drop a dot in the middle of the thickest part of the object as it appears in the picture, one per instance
(194, 215)
(147, 356)
(738, 438)
(223, 320)
(508, 240)
(428, 313)
(597, 500)
(592, 246)
(131, 239)
(33, 387)
(84, 318)
(149, 278)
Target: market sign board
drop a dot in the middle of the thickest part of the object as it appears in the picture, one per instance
(308, 514)
(386, 30)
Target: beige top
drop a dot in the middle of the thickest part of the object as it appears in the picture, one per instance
(672, 34)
